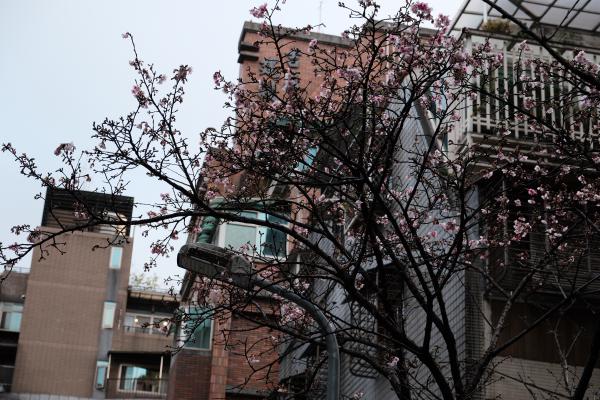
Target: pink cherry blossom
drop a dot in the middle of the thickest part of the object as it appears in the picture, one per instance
(260, 11)
(442, 22)
(64, 148)
(422, 9)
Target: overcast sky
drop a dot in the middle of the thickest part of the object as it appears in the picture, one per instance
(63, 65)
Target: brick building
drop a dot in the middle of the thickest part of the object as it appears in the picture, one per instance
(84, 332)
(219, 370)
(469, 305)
(108, 337)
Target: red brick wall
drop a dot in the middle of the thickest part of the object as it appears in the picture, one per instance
(220, 360)
(248, 339)
(305, 70)
(190, 374)
(201, 375)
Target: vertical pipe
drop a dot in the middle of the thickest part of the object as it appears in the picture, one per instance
(160, 371)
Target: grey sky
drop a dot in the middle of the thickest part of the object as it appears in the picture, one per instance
(63, 65)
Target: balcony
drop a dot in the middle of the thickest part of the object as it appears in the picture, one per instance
(146, 330)
(137, 375)
(549, 275)
(509, 103)
(136, 388)
(141, 339)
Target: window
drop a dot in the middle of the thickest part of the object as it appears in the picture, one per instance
(273, 242)
(112, 230)
(308, 159)
(269, 67)
(198, 329)
(144, 323)
(10, 316)
(101, 368)
(138, 378)
(116, 254)
(108, 315)
(294, 58)
(269, 76)
(265, 241)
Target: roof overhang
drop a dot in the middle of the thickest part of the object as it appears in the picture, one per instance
(583, 15)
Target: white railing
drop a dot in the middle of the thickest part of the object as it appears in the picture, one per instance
(502, 99)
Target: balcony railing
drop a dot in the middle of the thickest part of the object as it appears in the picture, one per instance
(148, 330)
(547, 274)
(150, 289)
(503, 98)
(136, 388)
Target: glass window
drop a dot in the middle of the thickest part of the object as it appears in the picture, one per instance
(150, 324)
(108, 315)
(116, 254)
(238, 236)
(129, 320)
(266, 241)
(198, 329)
(11, 321)
(10, 316)
(274, 241)
(101, 368)
(269, 66)
(142, 321)
(137, 378)
(294, 58)
(308, 160)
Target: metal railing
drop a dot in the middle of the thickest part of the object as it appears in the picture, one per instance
(146, 330)
(505, 98)
(150, 289)
(136, 388)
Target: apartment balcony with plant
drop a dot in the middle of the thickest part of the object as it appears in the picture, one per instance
(528, 99)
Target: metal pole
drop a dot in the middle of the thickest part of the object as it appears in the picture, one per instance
(211, 261)
(333, 351)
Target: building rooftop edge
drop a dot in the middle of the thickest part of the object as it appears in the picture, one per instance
(250, 26)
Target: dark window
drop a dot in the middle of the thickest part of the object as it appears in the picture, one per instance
(294, 58)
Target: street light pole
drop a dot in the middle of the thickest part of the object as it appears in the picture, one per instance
(333, 352)
(218, 263)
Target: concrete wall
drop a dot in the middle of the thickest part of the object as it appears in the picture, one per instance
(140, 342)
(13, 288)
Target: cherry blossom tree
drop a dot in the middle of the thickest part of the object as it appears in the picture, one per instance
(405, 226)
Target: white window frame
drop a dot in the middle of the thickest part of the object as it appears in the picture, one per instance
(6, 307)
(261, 234)
(109, 308)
